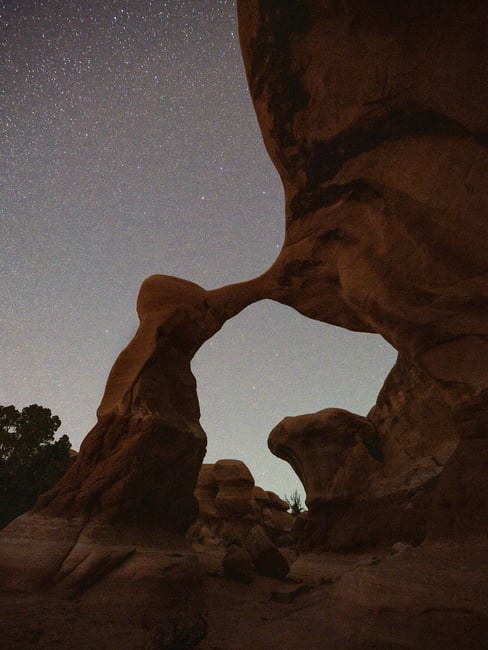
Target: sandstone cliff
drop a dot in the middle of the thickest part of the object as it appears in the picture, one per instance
(379, 138)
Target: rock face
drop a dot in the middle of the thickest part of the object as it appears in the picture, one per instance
(111, 532)
(230, 505)
(371, 480)
(375, 121)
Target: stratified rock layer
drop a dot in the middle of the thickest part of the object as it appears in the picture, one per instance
(230, 505)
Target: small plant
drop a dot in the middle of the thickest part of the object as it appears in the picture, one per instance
(295, 503)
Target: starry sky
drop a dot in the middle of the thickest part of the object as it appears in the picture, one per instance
(130, 147)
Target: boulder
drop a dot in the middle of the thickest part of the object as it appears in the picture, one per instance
(266, 557)
(238, 565)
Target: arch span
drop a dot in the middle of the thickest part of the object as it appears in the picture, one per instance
(269, 362)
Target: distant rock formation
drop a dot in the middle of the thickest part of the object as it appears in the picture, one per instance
(230, 505)
(266, 557)
(317, 446)
(275, 518)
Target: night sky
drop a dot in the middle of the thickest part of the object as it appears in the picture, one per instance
(130, 147)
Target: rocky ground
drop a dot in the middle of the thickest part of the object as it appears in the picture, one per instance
(424, 598)
(267, 613)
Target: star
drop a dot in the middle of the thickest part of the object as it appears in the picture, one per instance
(131, 147)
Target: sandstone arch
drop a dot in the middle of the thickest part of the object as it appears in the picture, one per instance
(269, 361)
(376, 121)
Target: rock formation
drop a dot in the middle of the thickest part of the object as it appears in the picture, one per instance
(145, 452)
(230, 505)
(317, 446)
(275, 518)
(376, 121)
(111, 532)
(266, 557)
(379, 162)
(327, 451)
(370, 480)
(227, 508)
(237, 564)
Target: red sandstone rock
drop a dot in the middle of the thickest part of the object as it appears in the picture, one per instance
(230, 504)
(376, 159)
(376, 122)
(275, 518)
(378, 136)
(266, 557)
(235, 488)
(206, 491)
(379, 139)
(238, 565)
(358, 498)
(317, 445)
(109, 525)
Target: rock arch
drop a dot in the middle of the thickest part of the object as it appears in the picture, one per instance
(270, 361)
(376, 121)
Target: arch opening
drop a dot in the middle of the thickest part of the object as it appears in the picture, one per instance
(269, 362)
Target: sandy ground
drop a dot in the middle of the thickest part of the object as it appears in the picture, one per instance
(398, 606)
(264, 614)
